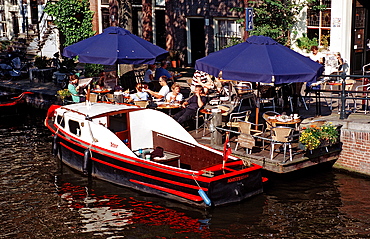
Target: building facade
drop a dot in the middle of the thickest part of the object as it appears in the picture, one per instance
(344, 27)
(196, 28)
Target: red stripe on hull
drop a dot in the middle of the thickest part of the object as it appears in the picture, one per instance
(148, 176)
(174, 192)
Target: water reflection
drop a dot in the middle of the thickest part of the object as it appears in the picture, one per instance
(42, 199)
(105, 213)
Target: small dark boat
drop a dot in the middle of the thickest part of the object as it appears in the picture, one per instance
(11, 104)
(118, 143)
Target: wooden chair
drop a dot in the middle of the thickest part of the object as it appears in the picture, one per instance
(235, 118)
(267, 96)
(245, 139)
(358, 95)
(266, 116)
(93, 97)
(141, 103)
(110, 97)
(280, 136)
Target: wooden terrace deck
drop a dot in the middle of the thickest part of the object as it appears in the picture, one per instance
(301, 158)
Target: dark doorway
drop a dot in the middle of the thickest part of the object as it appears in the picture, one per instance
(361, 36)
(15, 23)
(197, 39)
(160, 28)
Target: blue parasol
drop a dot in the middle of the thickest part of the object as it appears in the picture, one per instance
(115, 46)
(260, 59)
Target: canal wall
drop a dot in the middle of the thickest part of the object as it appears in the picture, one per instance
(355, 155)
(355, 139)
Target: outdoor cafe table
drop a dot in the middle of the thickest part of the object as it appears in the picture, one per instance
(207, 112)
(168, 106)
(101, 93)
(275, 122)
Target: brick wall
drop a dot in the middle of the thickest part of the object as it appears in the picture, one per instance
(95, 20)
(355, 155)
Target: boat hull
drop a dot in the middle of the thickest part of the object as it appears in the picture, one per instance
(112, 142)
(163, 181)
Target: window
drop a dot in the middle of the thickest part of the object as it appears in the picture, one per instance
(227, 31)
(319, 22)
(74, 127)
(105, 18)
(160, 3)
(2, 24)
(60, 120)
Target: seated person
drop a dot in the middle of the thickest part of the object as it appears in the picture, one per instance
(174, 96)
(191, 105)
(74, 88)
(139, 95)
(163, 91)
(118, 88)
(100, 83)
(162, 71)
(203, 79)
(149, 76)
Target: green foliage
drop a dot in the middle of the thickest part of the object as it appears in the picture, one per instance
(276, 18)
(73, 18)
(4, 45)
(92, 70)
(233, 41)
(306, 43)
(41, 62)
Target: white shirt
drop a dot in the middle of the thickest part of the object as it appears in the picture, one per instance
(179, 96)
(139, 96)
(318, 57)
(164, 90)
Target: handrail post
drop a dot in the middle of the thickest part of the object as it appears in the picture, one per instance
(343, 96)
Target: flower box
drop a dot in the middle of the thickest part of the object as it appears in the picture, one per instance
(314, 137)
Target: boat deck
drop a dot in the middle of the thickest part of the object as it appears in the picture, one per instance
(261, 155)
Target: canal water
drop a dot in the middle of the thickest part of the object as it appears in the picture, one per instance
(41, 198)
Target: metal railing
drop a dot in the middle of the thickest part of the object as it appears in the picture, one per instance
(343, 93)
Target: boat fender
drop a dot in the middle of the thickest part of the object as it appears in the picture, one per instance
(86, 168)
(206, 200)
(54, 148)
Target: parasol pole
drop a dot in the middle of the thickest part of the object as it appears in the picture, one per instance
(88, 94)
(257, 106)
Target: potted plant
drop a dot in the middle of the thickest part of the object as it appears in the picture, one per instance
(67, 65)
(305, 43)
(64, 94)
(42, 62)
(314, 136)
(174, 57)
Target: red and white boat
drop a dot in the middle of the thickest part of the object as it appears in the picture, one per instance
(113, 142)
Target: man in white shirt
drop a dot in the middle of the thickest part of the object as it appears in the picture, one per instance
(163, 91)
(316, 55)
